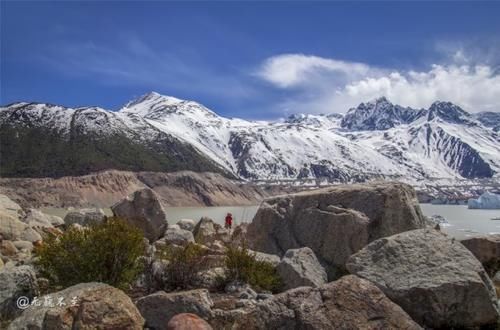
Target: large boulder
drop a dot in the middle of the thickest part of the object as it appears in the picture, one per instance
(349, 303)
(434, 278)
(187, 321)
(144, 210)
(175, 235)
(334, 222)
(85, 217)
(300, 267)
(158, 308)
(85, 306)
(16, 282)
(486, 249)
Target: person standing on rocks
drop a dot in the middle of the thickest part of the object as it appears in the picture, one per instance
(229, 221)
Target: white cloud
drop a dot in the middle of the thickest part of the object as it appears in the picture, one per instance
(290, 70)
(325, 85)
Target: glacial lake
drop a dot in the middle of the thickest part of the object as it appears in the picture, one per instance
(462, 222)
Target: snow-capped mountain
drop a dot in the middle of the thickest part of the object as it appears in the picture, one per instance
(374, 140)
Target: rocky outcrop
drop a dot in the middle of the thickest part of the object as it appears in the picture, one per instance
(16, 282)
(334, 222)
(96, 306)
(300, 267)
(486, 249)
(144, 210)
(158, 308)
(435, 279)
(85, 217)
(349, 303)
(187, 321)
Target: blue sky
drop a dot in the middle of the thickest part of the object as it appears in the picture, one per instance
(252, 59)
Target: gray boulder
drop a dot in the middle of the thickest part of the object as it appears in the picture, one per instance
(205, 231)
(435, 279)
(9, 207)
(144, 210)
(175, 235)
(35, 217)
(158, 308)
(11, 228)
(186, 224)
(31, 235)
(270, 258)
(300, 267)
(334, 222)
(85, 217)
(486, 249)
(349, 303)
(86, 306)
(16, 282)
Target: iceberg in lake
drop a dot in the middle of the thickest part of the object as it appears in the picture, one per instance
(485, 201)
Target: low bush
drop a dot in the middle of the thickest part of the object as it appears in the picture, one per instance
(183, 265)
(108, 252)
(242, 265)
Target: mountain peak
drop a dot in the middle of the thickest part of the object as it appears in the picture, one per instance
(379, 114)
(449, 112)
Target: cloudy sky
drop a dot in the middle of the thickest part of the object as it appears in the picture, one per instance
(252, 59)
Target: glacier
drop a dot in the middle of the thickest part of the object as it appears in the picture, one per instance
(487, 201)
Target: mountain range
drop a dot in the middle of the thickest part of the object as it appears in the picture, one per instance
(376, 139)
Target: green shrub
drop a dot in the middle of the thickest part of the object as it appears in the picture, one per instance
(183, 265)
(108, 252)
(242, 265)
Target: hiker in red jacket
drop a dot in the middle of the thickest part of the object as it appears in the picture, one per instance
(229, 221)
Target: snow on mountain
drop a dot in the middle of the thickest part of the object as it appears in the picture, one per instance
(489, 119)
(379, 114)
(374, 140)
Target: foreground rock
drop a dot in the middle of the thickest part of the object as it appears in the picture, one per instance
(14, 283)
(436, 280)
(158, 308)
(143, 210)
(349, 303)
(188, 321)
(486, 249)
(334, 222)
(300, 267)
(98, 306)
(85, 217)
